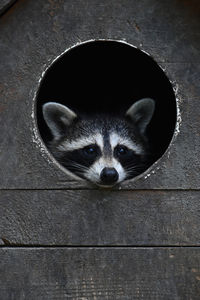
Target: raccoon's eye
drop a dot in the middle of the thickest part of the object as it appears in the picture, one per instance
(121, 150)
(91, 150)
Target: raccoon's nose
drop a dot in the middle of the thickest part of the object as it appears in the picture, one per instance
(109, 176)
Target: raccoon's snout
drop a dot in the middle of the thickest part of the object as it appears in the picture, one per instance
(109, 176)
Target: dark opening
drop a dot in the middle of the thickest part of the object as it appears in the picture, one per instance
(109, 76)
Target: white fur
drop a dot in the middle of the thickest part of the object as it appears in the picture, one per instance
(94, 171)
(82, 142)
(116, 139)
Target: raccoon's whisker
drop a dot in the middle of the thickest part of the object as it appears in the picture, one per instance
(135, 169)
(75, 164)
(133, 165)
(72, 164)
(79, 167)
(137, 166)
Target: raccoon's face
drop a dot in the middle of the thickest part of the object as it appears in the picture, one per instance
(104, 150)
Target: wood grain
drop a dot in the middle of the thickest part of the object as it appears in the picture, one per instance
(93, 274)
(99, 218)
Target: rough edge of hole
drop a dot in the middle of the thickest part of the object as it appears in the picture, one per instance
(38, 141)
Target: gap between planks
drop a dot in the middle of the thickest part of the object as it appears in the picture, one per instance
(100, 190)
(98, 246)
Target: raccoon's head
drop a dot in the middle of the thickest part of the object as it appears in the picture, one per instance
(102, 149)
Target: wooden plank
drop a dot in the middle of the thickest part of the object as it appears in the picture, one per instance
(99, 218)
(39, 31)
(93, 274)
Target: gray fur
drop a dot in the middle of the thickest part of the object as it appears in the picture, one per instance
(141, 113)
(57, 117)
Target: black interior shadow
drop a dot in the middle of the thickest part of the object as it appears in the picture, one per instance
(109, 76)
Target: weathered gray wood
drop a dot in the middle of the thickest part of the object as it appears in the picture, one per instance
(30, 38)
(5, 4)
(99, 218)
(38, 31)
(94, 274)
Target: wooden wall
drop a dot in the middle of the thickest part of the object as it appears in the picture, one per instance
(64, 239)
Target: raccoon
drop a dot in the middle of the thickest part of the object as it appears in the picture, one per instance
(103, 149)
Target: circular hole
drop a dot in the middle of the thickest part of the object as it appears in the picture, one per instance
(99, 78)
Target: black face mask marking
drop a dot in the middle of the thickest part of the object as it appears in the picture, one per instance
(80, 160)
(132, 163)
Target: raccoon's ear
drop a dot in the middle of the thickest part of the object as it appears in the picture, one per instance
(141, 113)
(57, 117)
